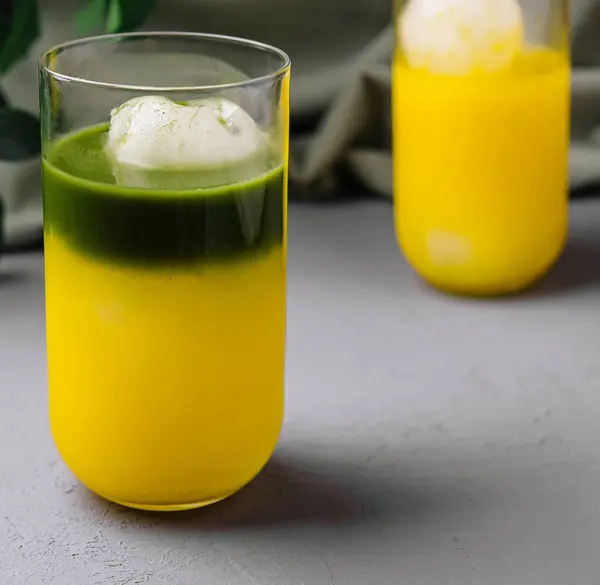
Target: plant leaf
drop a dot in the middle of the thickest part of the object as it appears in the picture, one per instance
(19, 135)
(114, 19)
(128, 15)
(112, 16)
(19, 29)
(90, 18)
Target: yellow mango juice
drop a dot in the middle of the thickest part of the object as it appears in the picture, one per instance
(165, 329)
(480, 172)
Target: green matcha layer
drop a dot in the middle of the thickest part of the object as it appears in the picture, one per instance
(85, 207)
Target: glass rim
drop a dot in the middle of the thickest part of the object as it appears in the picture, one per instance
(244, 42)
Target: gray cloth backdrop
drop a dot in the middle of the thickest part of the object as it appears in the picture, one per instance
(340, 51)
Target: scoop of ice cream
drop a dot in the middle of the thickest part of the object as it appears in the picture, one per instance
(155, 133)
(461, 36)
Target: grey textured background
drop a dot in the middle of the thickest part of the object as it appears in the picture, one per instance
(428, 440)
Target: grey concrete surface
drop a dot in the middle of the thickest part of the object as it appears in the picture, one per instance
(429, 440)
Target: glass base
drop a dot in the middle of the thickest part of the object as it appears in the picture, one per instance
(172, 507)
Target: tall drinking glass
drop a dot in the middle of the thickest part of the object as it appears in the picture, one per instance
(481, 131)
(165, 217)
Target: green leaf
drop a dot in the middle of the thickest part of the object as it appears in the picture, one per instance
(128, 15)
(19, 29)
(90, 18)
(113, 16)
(19, 135)
(114, 20)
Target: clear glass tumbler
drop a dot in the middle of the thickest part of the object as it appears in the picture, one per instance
(165, 217)
(480, 137)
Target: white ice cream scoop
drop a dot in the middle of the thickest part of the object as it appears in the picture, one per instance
(457, 37)
(154, 132)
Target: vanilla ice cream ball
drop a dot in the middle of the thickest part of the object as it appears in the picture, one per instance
(153, 132)
(457, 37)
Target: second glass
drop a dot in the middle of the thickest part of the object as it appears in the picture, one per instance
(165, 212)
(481, 136)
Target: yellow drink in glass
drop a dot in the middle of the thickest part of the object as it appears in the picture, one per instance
(166, 313)
(480, 170)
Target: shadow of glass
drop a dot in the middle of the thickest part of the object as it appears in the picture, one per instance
(578, 268)
(296, 491)
(12, 278)
(286, 492)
